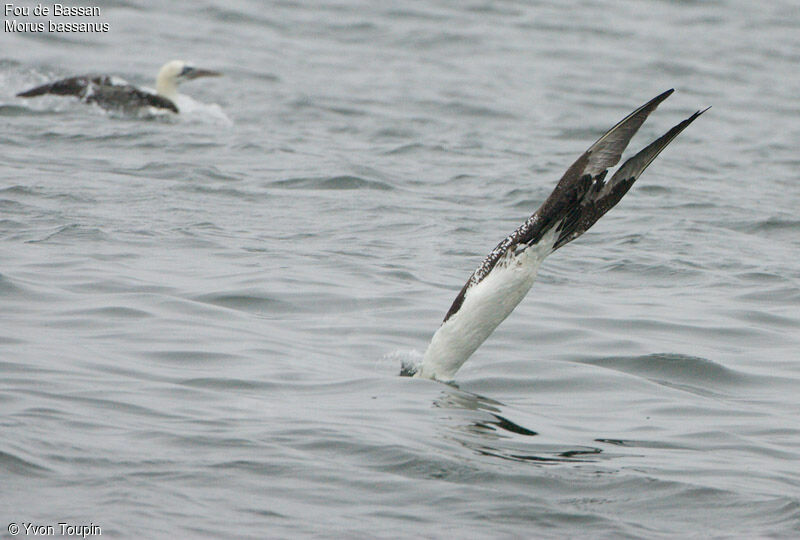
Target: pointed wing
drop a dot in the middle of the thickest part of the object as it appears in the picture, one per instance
(603, 196)
(72, 86)
(607, 151)
(587, 174)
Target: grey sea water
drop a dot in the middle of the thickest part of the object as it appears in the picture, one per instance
(202, 319)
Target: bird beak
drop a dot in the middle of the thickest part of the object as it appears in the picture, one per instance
(194, 73)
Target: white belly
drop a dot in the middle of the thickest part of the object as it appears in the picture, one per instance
(485, 306)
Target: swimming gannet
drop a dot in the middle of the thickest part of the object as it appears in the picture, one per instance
(113, 93)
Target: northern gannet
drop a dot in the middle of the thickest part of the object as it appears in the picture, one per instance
(506, 275)
(113, 93)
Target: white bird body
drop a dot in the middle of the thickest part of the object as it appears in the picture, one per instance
(485, 306)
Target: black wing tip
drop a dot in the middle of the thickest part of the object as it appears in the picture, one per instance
(681, 126)
(698, 113)
(666, 93)
(656, 101)
(33, 92)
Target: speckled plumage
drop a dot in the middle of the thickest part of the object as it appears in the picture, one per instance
(579, 199)
(106, 91)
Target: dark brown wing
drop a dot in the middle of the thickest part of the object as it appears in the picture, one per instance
(603, 196)
(586, 175)
(72, 86)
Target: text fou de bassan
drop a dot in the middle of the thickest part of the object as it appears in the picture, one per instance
(12, 24)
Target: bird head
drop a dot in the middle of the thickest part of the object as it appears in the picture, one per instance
(175, 72)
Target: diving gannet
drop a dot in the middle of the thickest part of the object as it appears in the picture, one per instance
(506, 275)
(113, 93)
